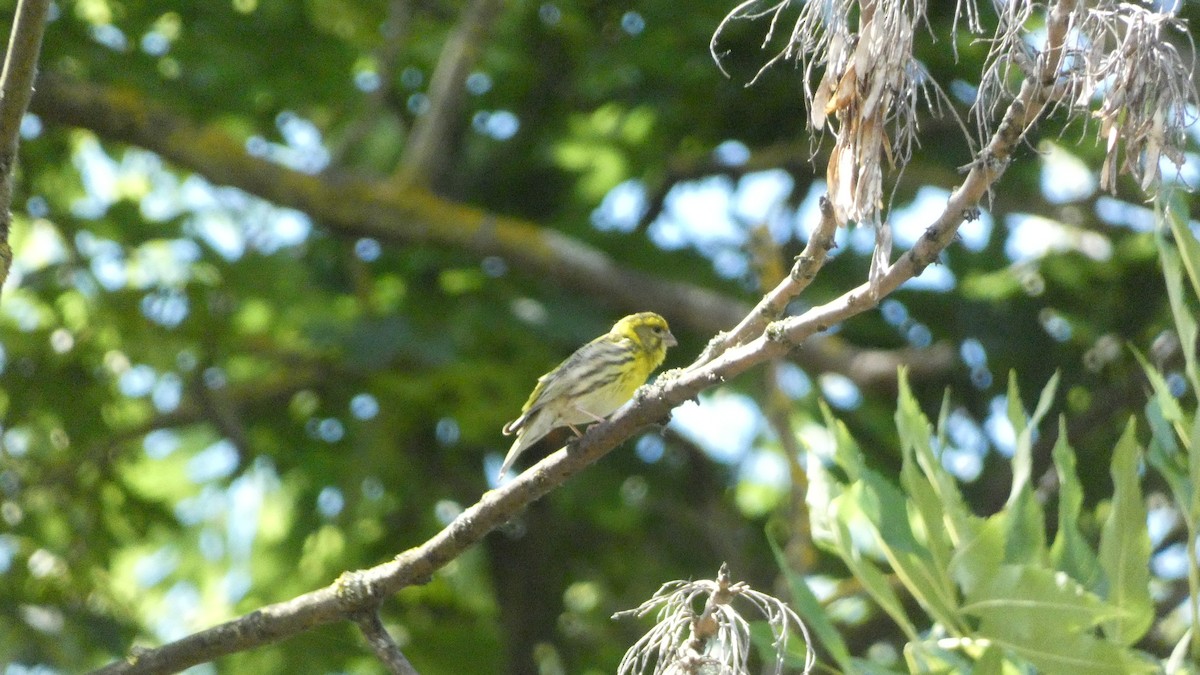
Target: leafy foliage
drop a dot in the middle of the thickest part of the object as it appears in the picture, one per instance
(210, 401)
(993, 587)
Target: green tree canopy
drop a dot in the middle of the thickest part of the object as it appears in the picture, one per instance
(282, 271)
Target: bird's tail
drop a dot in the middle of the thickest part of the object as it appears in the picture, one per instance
(515, 451)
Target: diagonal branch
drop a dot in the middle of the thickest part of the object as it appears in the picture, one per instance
(775, 302)
(382, 644)
(353, 206)
(16, 87)
(1035, 94)
(356, 591)
(431, 133)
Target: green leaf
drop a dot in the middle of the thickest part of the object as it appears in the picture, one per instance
(955, 656)
(991, 662)
(846, 451)
(1176, 663)
(811, 611)
(1025, 541)
(1164, 415)
(873, 504)
(928, 581)
(1022, 461)
(928, 514)
(1185, 318)
(1038, 600)
(865, 667)
(1163, 412)
(936, 495)
(1165, 454)
(823, 489)
(1016, 414)
(1191, 516)
(1125, 546)
(867, 573)
(1176, 213)
(1053, 652)
(943, 414)
(929, 517)
(1194, 472)
(1171, 411)
(1045, 617)
(980, 558)
(929, 657)
(991, 287)
(1071, 552)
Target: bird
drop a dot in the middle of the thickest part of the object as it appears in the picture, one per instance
(592, 382)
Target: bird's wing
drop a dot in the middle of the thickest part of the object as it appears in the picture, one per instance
(573, 375)
(548, 387)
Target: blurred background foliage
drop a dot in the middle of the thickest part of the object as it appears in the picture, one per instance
(209, 402)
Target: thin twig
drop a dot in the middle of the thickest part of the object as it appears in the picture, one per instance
(774, 303)
(16, 88)
(382, 644)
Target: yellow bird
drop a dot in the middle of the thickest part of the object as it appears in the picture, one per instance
(593, 382)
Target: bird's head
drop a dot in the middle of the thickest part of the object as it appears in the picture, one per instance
(648, 330)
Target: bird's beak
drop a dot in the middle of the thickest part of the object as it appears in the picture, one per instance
(669, 340)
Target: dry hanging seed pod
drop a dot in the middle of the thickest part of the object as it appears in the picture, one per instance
(717, 638)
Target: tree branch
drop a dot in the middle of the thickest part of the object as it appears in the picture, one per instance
(382, 644)
(774, 303)
(447, 92)
(353, 206)
(16, 87)
(394, 30)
